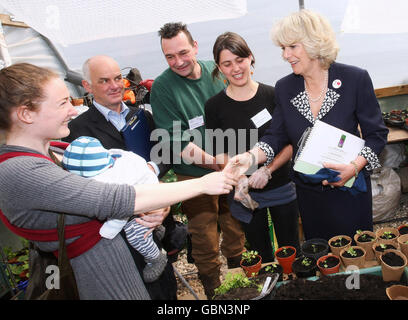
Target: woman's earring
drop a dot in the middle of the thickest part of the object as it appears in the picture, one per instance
(252, 73)
(225, 81)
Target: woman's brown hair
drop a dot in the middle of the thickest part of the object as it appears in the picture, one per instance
(21, 84)
(233, 42)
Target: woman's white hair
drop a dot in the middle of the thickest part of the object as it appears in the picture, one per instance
(312, 30)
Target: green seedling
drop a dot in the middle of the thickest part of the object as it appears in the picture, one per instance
(306, 262)
(352, 252)
(249, 256)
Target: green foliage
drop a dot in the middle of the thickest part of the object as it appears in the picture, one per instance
(306, 261)
(249, 256)
(233, 280)
(388, 235)
(271, 267)
(352, 252)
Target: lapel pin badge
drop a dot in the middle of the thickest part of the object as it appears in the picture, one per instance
(336, 84)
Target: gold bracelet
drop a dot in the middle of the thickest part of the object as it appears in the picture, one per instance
(355, 169)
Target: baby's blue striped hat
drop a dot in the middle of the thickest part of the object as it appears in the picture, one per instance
(86, 157)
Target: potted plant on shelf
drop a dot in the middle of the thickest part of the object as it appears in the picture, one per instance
(315, 248)
(338, 243)
(365, 239)
(403, 229)
(328, 264)
(285, 256)
(393, 263)
(271, 269)
(403, 243)
(379, 248)
(304, 267)
(388, 234)
(251, 263)
(353, 256)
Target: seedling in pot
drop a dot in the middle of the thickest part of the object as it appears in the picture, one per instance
(306, 262)
(352, 252)
(249, 256)
(364, 237)
(388, 235)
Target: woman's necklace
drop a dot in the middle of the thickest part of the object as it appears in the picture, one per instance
(326, 78)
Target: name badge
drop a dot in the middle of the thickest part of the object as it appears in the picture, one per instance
(196, 122)
(261, 118)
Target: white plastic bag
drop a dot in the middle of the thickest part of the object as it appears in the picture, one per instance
(392, 155)
(386, 191)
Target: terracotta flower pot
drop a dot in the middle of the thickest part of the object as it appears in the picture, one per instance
(358, 261)
(392, 231)
(378, 252)
(403, 243)
(366, 245)
(403, 229)
(392, 273)
(252, 270)
(286, 261)
(397, 292)
(328, 270)
(336, 250)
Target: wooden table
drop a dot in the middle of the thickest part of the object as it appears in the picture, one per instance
(397, 135)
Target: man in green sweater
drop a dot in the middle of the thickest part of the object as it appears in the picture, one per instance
(177, 99)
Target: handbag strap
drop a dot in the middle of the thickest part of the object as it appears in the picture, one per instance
(62, 249)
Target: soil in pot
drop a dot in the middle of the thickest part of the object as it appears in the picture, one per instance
(285, 253)
(393, 259)
(359, 253)
(315, 249)
(403, 229)
(365, 238)
(271, 269)
(338, 243)
(388, 236)
(330, 262)
(334, 287)
(381, 247)
(353, 256)
(385, 246)
(304, 267)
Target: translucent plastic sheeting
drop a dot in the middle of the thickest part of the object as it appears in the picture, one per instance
(376, 17)
(76, 21)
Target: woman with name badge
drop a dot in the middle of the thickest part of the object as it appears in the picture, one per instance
(320, 89)
(245, 107)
